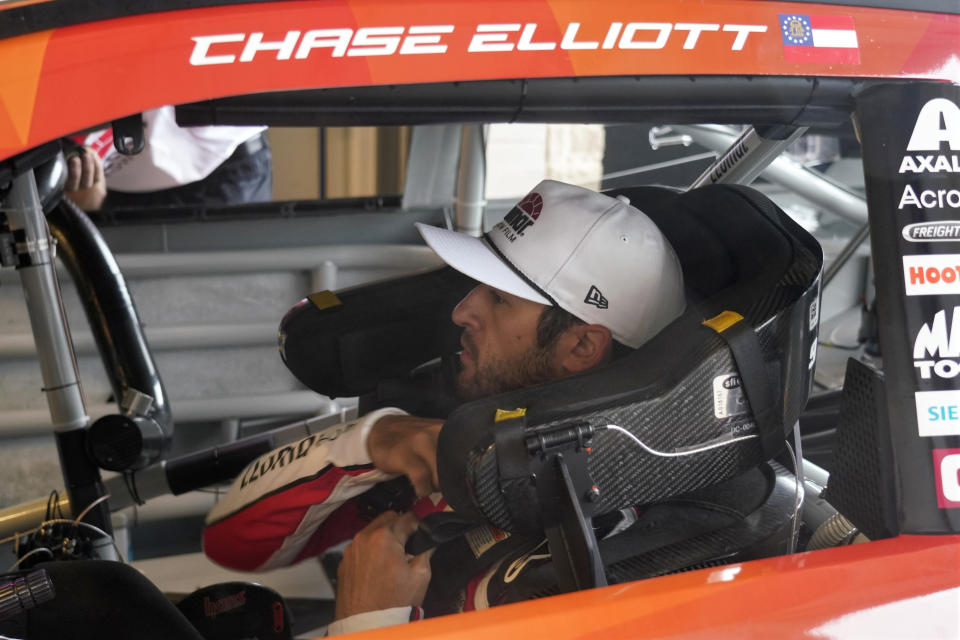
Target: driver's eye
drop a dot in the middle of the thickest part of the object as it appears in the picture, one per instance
(496, 297)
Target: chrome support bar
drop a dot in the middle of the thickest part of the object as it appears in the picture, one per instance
(845, 254)
(471, 178)
(746, 158)
(807, 183)
(58, 368)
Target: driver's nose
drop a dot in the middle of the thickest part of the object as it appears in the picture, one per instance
(465, 314)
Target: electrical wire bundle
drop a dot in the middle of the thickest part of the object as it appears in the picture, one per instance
(59, 538)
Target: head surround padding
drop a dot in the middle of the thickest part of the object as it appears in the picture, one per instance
(345, 344)
(738, 252)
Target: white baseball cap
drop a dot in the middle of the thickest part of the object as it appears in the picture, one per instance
(595, 256)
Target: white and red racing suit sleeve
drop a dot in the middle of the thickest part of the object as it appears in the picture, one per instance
(295, 501)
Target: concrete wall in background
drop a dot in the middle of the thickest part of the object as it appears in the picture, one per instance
(521, 155)
(296, 162)
(338, 162)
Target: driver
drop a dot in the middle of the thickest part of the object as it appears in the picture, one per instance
(568, 275)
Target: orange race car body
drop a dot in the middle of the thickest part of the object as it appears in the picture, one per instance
(64, 69)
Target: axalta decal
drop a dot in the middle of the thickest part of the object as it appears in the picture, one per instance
(926, 275)
(937, 126)
(936, 133)
(936, 348)
(946, 468)
(230, 48)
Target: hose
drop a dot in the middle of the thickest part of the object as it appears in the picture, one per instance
(835, 531)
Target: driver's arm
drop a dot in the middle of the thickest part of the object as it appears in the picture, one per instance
(296, 501)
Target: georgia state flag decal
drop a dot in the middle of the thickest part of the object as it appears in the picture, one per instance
(823, 39)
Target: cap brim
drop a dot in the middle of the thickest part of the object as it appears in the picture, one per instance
(472, 257)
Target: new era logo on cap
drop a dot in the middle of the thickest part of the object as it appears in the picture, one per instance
(596, 298)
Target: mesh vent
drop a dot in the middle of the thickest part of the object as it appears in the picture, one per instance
(861, 482)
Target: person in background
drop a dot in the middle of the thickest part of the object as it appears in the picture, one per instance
(178, 166)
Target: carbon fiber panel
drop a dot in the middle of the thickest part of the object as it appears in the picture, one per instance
(627, 474)
(763, 533)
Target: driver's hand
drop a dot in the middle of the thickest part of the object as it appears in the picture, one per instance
(86, 184)
(376, 573)
(407, 445)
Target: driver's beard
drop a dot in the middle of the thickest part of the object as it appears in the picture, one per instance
(494, 376)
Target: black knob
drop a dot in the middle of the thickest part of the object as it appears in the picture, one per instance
(115, 442)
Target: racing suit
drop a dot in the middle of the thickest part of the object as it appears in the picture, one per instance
(298, 500)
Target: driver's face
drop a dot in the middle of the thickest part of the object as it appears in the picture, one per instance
(499, 342)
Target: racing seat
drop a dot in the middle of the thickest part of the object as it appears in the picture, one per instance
(686, 422)
(693, 408)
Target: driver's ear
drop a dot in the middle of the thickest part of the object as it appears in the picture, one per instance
(584, 346)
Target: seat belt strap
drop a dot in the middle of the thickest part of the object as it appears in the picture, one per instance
(760, 390)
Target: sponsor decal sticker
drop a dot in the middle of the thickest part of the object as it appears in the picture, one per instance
(936, 348)
(938, 413)
(278, 459)
(482, 539)
(946, 469)
(938, 122)
(816, 38)
(728, 397)
(212, 608)
(936, 130)
(930, 164)
(730, 160)
(930, 198)
(946, 231)
(814, 314)
(521, 217)
(932, 274)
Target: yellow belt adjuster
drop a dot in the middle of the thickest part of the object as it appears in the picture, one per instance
(324, 299)
(504, 414)
(723, 321)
